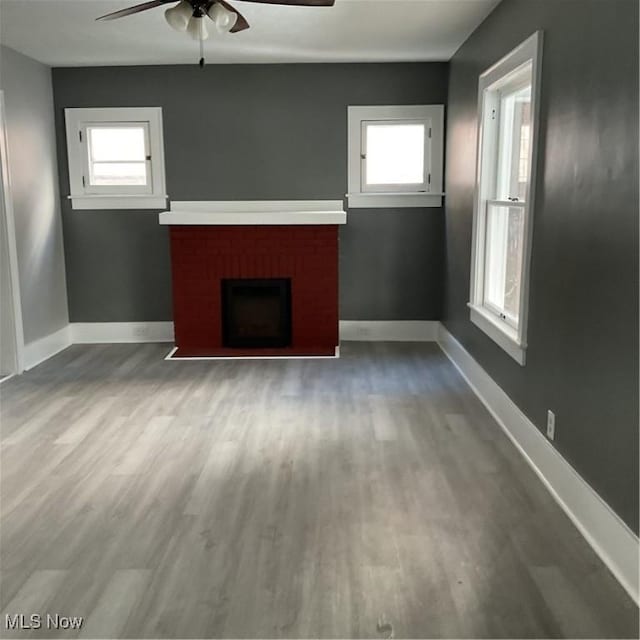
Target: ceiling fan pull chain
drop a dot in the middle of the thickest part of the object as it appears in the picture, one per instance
(201, 53)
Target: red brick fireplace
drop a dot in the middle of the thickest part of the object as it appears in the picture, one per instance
(213, 244)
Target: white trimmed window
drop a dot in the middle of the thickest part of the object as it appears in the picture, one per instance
(395, 156)
(502, 226)
(116, 158)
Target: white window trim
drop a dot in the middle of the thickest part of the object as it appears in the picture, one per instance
(83, 198)
(357, 198)
(514, 342)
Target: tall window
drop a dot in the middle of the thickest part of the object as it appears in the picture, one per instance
(116, 158)
(507, 126)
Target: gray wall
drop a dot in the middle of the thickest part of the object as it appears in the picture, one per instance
(36, 200)
(251, 132)
(582, 359)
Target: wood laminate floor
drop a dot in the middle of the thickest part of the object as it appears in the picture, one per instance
(300, 498)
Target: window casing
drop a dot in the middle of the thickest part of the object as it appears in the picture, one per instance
(116, 158)
(508, 106)
(395, 156)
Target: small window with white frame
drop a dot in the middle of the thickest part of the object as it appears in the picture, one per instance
(508, 101)
(116, 158)
(395, 156)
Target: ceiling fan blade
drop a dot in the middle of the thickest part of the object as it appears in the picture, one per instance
(241, 24)
(136, 9)
(297, 3)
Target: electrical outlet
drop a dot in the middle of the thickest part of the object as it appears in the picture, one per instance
(551, 425)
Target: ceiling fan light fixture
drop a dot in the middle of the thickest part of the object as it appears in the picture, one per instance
(197, 28)
(178, 16)
(224, 19)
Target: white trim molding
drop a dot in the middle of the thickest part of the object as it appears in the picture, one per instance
(118, 203)
(44, 348)
(350, 330)
(390, 331)
(255, 212)
(121, 332)
(393, 200)
(608, 535)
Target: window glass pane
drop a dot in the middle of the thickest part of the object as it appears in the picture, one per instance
(503, 260)
(117, 156)
(110, 144)
(395, 154)
(514, 140)
(118, 173)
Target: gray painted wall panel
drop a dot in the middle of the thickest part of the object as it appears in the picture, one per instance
(399, 246)
(252, 132)
(36, 199)
(120, 269)
(582, 359)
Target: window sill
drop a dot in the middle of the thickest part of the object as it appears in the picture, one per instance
(386, 200)
(504, 336)
(95, 202)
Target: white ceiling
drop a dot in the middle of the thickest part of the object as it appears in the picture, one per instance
(65, 33)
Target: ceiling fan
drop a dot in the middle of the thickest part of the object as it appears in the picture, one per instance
(189, 15)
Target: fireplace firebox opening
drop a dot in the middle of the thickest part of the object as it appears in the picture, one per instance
(256, 313)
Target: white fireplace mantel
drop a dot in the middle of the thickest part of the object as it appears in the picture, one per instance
(255, 212)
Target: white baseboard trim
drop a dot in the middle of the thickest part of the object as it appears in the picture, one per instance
(610, 537)
(350, 330)
(44, 348)
(392, 331)
(115, 332)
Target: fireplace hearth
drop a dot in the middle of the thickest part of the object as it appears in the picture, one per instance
(256, 313)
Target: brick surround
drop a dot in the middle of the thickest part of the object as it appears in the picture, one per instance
(201, 256)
